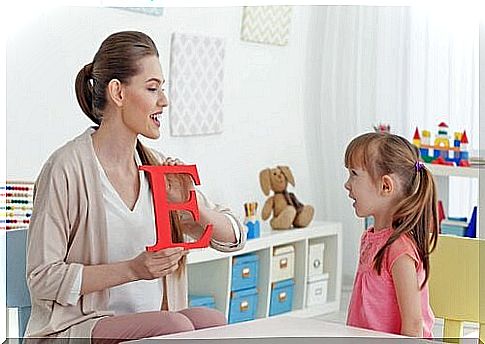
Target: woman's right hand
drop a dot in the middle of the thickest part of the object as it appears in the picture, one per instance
(151, 265)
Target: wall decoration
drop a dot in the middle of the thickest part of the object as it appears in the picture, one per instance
(266, 24)
(195, 84)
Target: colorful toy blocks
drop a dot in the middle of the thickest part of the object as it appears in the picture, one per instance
(441, 152)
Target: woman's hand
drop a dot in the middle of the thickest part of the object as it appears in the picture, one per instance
(178, 185)
(151, 265)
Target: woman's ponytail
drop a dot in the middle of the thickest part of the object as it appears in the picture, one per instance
(84, 92)
(148, 158)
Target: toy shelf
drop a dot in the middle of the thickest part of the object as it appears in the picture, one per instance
(447, 171)
(442, 174)
(210, 271)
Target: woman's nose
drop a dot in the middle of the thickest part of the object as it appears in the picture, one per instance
(162, 100)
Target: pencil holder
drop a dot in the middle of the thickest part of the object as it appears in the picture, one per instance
(251, 222)
(253, 229)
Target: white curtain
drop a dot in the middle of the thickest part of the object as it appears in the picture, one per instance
(397, 65)
(444, 85)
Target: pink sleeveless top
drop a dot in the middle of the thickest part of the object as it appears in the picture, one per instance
(373, 304)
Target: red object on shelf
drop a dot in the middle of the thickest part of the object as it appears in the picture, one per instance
(416, 134)
(464, 138)
(441, 161)
(441, 215)
(162, 207)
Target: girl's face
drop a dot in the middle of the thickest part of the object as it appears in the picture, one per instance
(368, 197)
(144, 99)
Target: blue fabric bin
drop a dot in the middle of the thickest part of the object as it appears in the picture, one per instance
(244, 304)
(281, 297)
(245, 270)
(202, 301)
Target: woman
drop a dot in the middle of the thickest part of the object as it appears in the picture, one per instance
(88, 272)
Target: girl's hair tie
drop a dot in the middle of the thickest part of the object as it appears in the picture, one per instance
(418, 166)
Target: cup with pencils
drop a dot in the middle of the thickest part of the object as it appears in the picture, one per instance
(251, 221)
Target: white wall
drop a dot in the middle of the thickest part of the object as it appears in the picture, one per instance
(263, 119)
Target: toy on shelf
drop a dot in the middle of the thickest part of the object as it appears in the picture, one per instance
(441, 212)
(382, 128)
(251, 222)
(459, 225)
(441, 152)
(287, 211)
(16, 198)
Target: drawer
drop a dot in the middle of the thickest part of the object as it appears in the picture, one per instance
(243, 305)
(283, 263)
(315, 259)
(245, 270)
(281, 297)
(317, 286)
(202, 301)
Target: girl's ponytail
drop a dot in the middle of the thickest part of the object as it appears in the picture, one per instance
(416, 216)
(84, 92)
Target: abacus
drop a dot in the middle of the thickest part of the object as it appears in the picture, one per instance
(16, 198)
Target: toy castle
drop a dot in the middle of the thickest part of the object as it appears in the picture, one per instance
(441, 152)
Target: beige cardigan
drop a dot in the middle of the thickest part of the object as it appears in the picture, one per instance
(68, 230)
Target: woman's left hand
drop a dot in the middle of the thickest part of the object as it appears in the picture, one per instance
(178, 185)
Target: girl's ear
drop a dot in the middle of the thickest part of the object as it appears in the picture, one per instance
(115, 92)
(387, 185)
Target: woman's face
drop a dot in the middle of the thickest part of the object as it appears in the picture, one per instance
(144, 99)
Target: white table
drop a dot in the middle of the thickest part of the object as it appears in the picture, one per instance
(280, 326)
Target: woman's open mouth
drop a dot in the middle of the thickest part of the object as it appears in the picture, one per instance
(156, 118)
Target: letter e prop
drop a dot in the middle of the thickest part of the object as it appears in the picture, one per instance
(162, 207)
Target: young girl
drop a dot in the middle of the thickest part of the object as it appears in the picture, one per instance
(387, 181)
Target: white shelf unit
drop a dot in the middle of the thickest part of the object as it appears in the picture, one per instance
(442, 174)
(210, 271)
(447, 171)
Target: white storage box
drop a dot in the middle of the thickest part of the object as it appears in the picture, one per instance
(317, 286)
(283, 263)
(315, 259)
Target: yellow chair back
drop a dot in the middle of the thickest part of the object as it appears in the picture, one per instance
(454, 284)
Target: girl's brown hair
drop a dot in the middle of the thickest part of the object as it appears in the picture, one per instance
(117, 58)
(416, 214)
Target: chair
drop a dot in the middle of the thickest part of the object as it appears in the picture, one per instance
(17, 292)
(454, 284)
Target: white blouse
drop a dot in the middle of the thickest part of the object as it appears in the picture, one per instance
(129, 232)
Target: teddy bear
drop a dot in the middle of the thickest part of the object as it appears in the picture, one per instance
(287, 211)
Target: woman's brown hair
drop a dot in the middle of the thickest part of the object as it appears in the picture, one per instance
(416, 214)
(117, 58)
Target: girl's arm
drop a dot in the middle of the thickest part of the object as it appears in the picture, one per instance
(408, 296)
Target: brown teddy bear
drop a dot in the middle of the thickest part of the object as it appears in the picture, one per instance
(287, 210)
